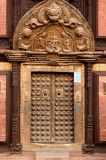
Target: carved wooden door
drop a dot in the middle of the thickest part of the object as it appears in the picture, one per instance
(52, 109)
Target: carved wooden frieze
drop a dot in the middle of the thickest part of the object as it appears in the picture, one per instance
(53, 27)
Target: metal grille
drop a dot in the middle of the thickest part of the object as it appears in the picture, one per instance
(52, 109)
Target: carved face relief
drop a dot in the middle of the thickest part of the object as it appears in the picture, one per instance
(54, 12)
(27, 33)
(80, 32)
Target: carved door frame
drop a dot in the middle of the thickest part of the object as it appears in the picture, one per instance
(25, 86)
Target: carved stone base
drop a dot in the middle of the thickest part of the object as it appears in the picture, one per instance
(87, 149)
(16, 148)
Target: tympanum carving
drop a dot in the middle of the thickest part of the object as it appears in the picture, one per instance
(53, 40)
(53, 27)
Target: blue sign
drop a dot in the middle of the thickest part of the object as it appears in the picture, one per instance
(77, 76)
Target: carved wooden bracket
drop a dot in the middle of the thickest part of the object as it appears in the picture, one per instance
(16, 148)
(87, 149)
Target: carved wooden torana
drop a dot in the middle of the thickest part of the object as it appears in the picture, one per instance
(53, 27)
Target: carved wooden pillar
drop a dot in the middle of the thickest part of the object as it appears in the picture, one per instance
(15, 15)
(90, 12)
(88, 147)
(76, 4)
(15, 147)
(84, 10)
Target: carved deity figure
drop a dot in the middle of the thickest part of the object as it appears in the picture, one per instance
(67, 45)
(40, 44)
(24, 42)
(53, 43)
(82, 43)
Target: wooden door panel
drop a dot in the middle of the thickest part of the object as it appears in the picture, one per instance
(64, 106)
(52, 115)
(41, 108)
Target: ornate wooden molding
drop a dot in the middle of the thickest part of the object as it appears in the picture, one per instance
(15, 146)
(28, 56)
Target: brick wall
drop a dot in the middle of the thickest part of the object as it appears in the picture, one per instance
(2, 107)
(102, 108)
(101, 17)
(33, 156)
(2, 17)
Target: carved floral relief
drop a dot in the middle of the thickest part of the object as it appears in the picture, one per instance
(53, 27)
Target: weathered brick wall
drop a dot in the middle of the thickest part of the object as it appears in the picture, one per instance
(33, 156)
(2, 107)
(2, 17)
(102, 108)
(101, 17)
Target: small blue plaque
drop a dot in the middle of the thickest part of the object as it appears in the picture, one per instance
(77, 76)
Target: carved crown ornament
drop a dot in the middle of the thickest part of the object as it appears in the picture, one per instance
(53, 26)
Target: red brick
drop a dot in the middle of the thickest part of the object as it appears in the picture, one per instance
(32, 156)
(3, 17)
(102, 18)
(102, 108)
(3, 108)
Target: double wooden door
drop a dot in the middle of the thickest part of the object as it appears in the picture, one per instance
(52, 108)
